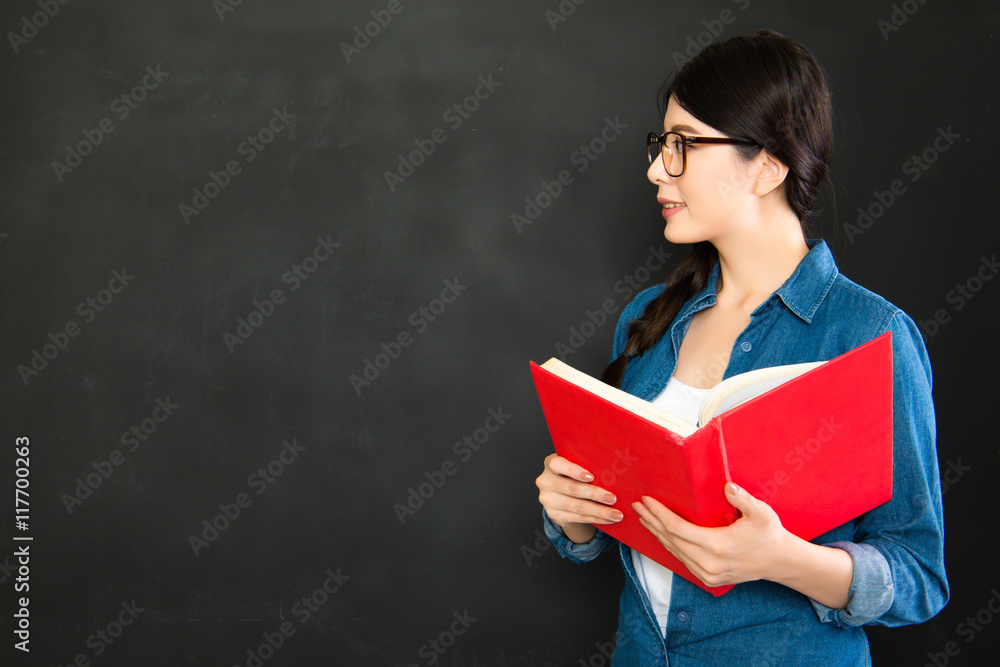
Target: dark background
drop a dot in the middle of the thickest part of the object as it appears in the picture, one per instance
(471, 547)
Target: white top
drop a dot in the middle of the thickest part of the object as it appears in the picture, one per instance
(655, 579)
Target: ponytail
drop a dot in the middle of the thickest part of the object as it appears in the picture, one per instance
(689, 278)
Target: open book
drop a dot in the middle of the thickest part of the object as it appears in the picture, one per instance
(722, 397)
(814, 441)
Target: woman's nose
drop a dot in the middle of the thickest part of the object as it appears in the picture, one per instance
(657, 173)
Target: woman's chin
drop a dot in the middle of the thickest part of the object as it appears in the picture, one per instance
(677, 236)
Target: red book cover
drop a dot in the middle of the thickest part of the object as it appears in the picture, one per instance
(817, 449)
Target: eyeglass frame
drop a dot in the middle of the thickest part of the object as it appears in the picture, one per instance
(661, 140)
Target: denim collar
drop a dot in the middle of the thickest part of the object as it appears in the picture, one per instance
(802, 293)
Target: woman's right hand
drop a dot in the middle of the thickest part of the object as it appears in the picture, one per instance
(570, 499)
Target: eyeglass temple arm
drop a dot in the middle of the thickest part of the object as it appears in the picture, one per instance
(720, 140)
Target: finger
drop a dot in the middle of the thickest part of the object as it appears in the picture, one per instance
(549, 481)
(649, 519)
(665, 538)
(568, 485)
(691, 557)
(672, 524)
(562, 508)
(577, 490)
(567, 468)
(688, 553)
(749, 506)
(652, 523)
(564, 518)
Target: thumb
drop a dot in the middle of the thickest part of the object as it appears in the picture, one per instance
(740, 499)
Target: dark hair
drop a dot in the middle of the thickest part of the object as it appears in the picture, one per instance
(760, 86)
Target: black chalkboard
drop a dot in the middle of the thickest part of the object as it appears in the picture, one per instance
(271, 274)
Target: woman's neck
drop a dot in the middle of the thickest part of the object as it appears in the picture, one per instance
(755, 264)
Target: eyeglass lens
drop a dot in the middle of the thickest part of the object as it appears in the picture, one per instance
(671, 148)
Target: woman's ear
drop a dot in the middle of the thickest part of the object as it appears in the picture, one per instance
(771, 175)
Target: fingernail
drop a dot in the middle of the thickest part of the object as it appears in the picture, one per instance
(731, 489)
(617, 516)
(587, 476)
(610, 498)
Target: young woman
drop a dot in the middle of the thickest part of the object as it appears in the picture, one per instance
(746, 138)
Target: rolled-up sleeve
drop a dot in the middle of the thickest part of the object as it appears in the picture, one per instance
(898, 549)
(578, 553)
(871, 591)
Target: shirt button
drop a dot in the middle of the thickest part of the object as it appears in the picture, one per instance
(746, 346)
(683, 616)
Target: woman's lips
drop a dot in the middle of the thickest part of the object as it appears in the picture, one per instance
(672, 208)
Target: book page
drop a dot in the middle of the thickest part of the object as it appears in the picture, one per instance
(741, 388)
(623, 399)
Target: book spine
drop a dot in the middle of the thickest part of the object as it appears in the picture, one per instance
(716, 425)
(709, 473)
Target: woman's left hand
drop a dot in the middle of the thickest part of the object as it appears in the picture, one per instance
(747, 550)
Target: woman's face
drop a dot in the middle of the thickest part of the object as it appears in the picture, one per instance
(711, 191)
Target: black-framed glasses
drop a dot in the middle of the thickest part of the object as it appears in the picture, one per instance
(672, 147)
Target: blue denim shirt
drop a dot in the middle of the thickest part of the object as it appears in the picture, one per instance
(897, 548)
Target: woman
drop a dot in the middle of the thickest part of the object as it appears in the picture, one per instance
(747, 134)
